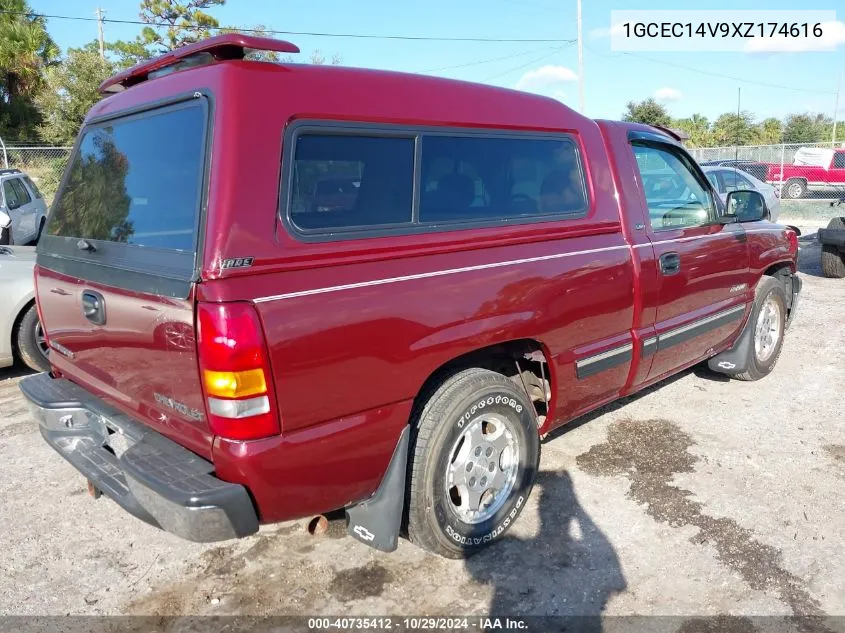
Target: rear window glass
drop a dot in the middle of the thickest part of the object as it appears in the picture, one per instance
(344, 182)
(136, 181)
(473, 178)
(32, 186)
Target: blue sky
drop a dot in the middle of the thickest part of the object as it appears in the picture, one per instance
(611, 79)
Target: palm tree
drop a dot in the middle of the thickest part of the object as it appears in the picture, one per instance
(25, 49)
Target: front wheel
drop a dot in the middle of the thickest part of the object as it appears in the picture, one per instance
(474, 458)
(768, 320)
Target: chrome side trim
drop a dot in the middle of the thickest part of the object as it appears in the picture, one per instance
(605, 360)
(700, 323)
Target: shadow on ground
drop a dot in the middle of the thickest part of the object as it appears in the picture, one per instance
(569, 568)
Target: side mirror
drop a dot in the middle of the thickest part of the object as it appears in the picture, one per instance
(745, 206)
(5, 220)
(13, 205)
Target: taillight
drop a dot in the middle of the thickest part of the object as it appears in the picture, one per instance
(235, 368)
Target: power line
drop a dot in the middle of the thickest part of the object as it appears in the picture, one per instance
(484, 61)
(711, 73)
(530, 63)
(414, 38)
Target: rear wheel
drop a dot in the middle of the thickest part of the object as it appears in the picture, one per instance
(31, 342)
(833, 261)
(474, 458)
(768, 320)
(794, 189)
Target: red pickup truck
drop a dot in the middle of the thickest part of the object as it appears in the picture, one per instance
(226, 353)
(813, 170)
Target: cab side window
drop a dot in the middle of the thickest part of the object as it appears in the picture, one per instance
(675, 196)
(839, 160)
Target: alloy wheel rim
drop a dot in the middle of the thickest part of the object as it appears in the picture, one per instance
(767, 330)
(482, 468)
(41, 340)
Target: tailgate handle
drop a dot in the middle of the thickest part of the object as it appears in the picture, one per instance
(94, 307)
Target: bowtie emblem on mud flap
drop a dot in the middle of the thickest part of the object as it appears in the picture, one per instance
(363, 533)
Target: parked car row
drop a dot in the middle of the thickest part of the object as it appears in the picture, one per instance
(422, 279)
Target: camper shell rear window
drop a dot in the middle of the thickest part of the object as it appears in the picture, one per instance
(136, 180)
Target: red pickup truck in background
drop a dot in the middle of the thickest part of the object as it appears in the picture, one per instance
(812, 170)
(234, 341)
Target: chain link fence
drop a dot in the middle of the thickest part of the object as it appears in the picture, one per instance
(800, 172)
(45, 165)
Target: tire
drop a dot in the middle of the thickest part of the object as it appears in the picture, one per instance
(29, 348)
(763, 358)
(794, 189)
(494, 406)
(833, 261)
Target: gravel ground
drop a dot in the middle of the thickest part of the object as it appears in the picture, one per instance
(701, 496)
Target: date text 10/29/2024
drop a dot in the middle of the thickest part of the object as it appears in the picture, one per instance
(474, 623)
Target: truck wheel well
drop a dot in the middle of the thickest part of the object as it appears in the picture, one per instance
(523, 361)
(783, 273)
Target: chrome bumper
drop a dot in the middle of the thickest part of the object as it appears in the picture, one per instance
(148, 475)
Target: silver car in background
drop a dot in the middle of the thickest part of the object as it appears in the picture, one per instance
(21, 200)
(727, 179)
(21, 335)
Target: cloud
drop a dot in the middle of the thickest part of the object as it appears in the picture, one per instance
(833, 36)
(667, 94)
(545, 77)
(607, 31)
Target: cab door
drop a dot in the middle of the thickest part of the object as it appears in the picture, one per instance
(703, 270)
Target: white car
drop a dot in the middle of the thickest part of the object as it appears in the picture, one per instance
(21, 335)
(727, 179)
(21, 200)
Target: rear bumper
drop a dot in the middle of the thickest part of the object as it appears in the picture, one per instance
(148, 475)
(832, 237)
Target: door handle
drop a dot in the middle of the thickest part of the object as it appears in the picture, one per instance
(670, 263)
(94, 307)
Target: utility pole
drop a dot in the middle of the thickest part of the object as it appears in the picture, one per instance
(836, 110)
(738, 117)
(99, 14)
(580, 62)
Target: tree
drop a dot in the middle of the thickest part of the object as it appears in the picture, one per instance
(25, 50)
(768, 132)
(697, 127)
(802, 128)
(71, 88)
(649, 112)
(733, 129)
(172, 24)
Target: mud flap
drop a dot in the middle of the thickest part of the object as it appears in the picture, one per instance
(735, 359)
(376, 521)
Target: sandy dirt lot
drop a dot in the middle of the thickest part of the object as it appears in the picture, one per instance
(701, 496)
